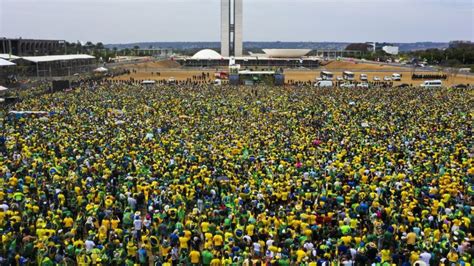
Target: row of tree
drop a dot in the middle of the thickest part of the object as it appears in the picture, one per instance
(457, 56)
(99, 50)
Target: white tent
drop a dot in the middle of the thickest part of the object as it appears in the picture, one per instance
(101, 69)
(51, 58)
(6, 63)
(3, 88)
(9, 56)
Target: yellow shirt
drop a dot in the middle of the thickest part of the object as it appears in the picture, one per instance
(115, 223)
(205, 227)
(385, 253)
(411, 238)
(300, 254)
(195, 256)
(414, 256)
(250, 229)
(68, 222)
(346, 239)
(217, 240)
(216, 262)
(453, 256)
(183, 242)
(165, 251)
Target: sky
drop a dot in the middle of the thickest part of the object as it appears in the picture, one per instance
(126, 21)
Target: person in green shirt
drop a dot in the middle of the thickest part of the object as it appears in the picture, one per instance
(284, 261)
(206, 257)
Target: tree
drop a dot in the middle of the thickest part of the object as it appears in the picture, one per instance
(135, 49)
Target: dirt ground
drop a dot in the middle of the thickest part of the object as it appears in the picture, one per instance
(168, 69)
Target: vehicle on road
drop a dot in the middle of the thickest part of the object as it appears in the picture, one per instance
(324, 84)
(347, 75)
(363, 85)
(348, 86)
(326, 75)
(432, 84)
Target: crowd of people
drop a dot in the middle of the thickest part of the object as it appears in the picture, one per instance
(123, 174)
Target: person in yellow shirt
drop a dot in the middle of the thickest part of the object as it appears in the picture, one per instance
(386, 255)
(300, 255)
(218, 240)
(414, 256)
(195, 257)
(205, 227)
(183, 242)
(216, 262)
(250, 229)
(411, 240)
(115, 223)
(68, 222)
(453, 256)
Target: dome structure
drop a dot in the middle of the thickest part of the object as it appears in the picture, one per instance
(207, 54)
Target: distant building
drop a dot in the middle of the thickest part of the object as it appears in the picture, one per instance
(360, 47)
(31, 47)
(374, 47)
(460, 44)
(155, 52)
(231, 27)
(390, 49)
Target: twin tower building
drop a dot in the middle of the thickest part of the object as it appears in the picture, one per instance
(231, 28)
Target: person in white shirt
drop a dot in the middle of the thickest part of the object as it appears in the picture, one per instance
(425, 256)
(89, 244)
(256, 248)
(137, 224)
(309, 246)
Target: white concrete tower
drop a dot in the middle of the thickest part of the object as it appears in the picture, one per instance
(238, 17)
(231, 27)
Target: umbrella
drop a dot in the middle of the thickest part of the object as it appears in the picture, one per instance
(101, 69)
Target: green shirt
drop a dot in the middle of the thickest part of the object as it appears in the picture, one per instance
(284, 262)
(207, 257)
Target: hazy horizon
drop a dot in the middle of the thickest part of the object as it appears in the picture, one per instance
(123, 21)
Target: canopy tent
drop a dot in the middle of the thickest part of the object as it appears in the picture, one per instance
(51, 58)
(4, 62)
(58, 65)
(9, 57)
(101, 69)
(3, 88)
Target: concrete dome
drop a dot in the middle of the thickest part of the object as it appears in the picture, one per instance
(207, 54)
